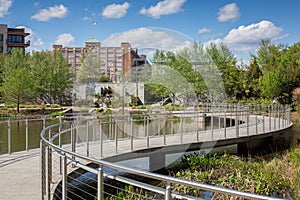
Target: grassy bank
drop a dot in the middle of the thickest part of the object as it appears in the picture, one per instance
(279, 176)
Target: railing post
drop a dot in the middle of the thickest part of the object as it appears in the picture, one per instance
(49, 169)
(168, 193)
(236, 122)
(147, 130)
(225, 122)
(42, 168)
(289, 116)
(256, 118)
(59, 130)
(270, 115)
(44, 122)
(116, 134)
(158, 124)
(100, 188)
(263, 115)
(26, 129)
(181, 129)
(212, 125)
(274, 115)
(248, 119)
(73, 140)
(8, 137)
(87, 139)
(219, 117)
(165, 124)
(64, 182)
(197, 125)
(131, 134)
(101, 139)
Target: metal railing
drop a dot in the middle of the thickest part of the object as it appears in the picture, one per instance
(74, 153)
(22, 133)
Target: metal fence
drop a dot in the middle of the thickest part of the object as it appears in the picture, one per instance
(74, 153)
(22, 133)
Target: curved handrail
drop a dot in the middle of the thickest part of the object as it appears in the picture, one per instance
(70, 155)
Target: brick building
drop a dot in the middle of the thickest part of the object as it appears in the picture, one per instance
(12, 38)
(113, 61)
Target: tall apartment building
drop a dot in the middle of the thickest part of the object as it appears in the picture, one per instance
(113, 61)
(12, 38)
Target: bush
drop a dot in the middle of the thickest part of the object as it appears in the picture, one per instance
(54, 106)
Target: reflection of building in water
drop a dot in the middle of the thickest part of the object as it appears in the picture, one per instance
(11, 38)
(113, 61)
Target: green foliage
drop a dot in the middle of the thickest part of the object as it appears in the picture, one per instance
(40, 77)
(131, 193)
(226, 63)
(252, 175)
(271, 84)
(89, 70)
(17, 81)
(173, 108)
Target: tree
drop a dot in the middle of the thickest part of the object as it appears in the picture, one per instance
(271, 84)
(285, 61)
(225, 61)
(62, 78)
(53, 78)
(89, 71)
(251, 77)
(17, 80)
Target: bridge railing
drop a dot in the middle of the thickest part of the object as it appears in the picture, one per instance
(79, 154)
(22, 133)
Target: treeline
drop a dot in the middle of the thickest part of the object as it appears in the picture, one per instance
(39, 77)
(272, 74)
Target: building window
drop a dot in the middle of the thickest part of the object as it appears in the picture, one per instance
(15, 39)
(1, 37)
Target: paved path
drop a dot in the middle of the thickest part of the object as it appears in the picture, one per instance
(20, 176)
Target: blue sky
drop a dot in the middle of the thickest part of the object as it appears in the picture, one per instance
(239, 24)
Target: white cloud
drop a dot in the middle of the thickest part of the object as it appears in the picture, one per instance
(144, 38)
(245, 39)
(203, 30)
(163, 8)
(4, 6)
(115, 10)
(65, 39)
(229, 12)
(58, 11)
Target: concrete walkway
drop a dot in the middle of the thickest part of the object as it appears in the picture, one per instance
(20, 176)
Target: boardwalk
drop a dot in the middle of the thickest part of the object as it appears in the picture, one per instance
(20, 176)
(20, 172)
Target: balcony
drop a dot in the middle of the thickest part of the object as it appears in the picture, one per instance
(18, 44)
